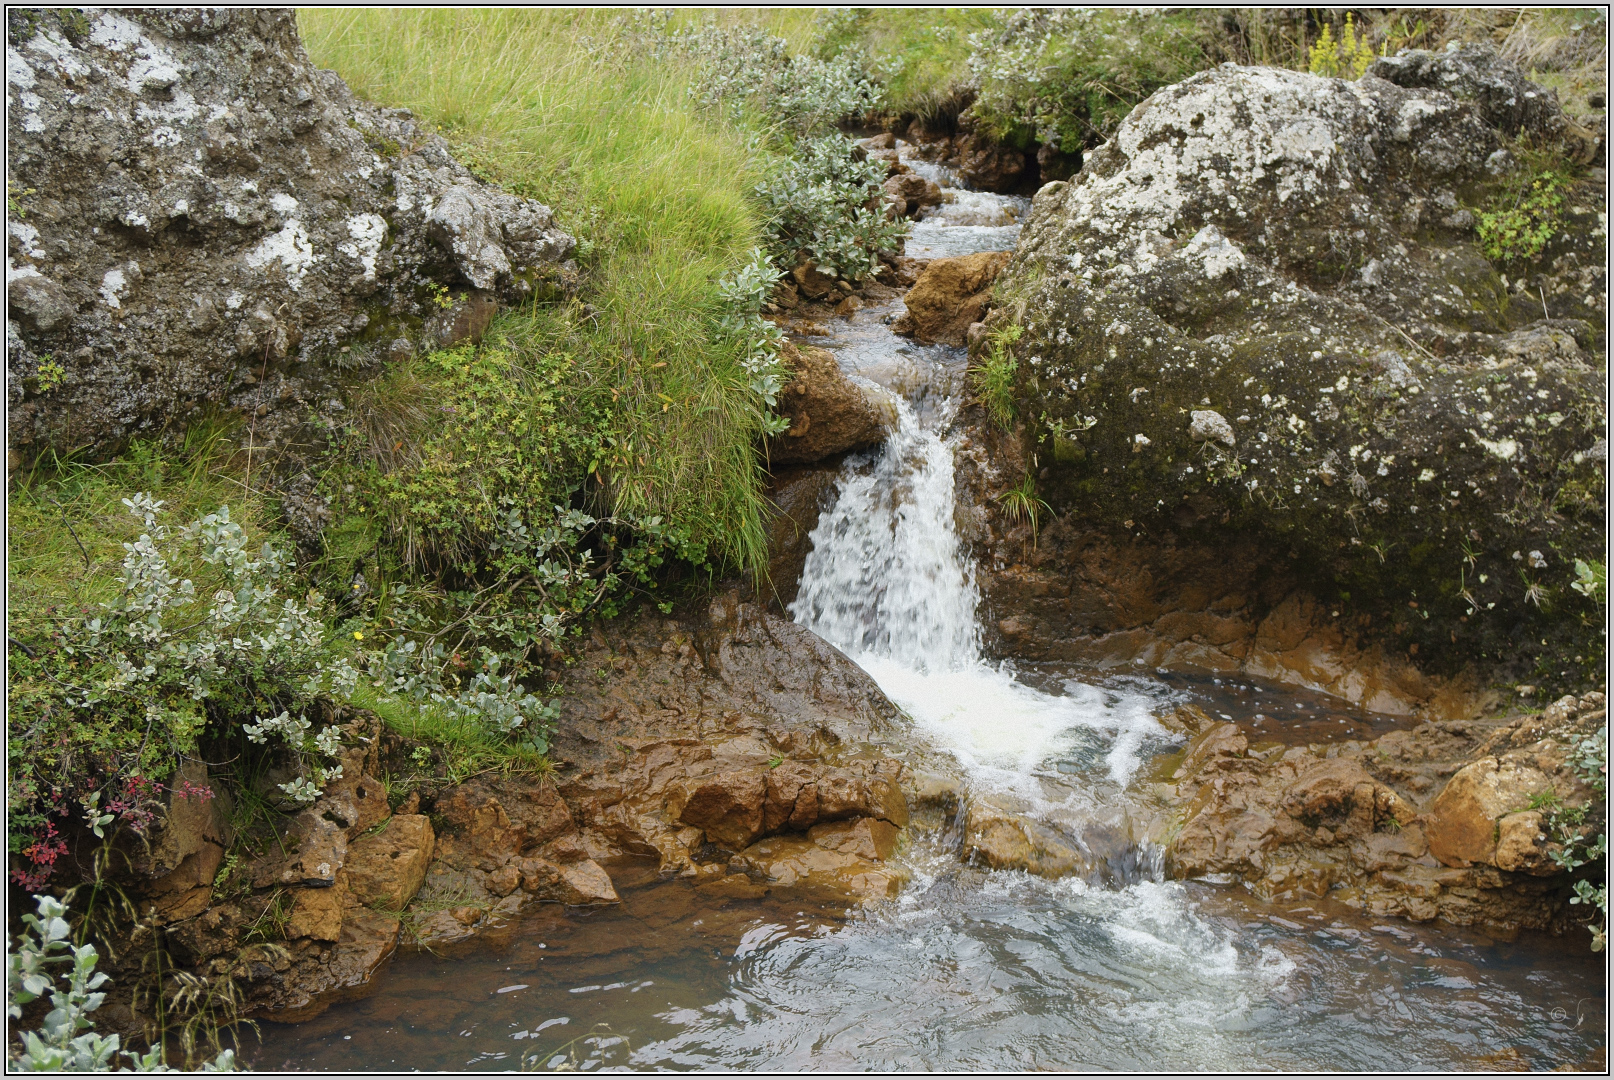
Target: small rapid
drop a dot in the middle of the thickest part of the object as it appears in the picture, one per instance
(968, 968)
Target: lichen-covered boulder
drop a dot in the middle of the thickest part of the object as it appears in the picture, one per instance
(1262, 310)
(202, 215)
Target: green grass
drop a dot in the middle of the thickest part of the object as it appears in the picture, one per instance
(993, 376)
(67, 522)
(550, 105)
(921, 54)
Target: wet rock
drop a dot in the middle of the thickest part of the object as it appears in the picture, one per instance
(212, 933)
(797, 494)
(1424, 823)
(581, 882)
(949, 295)
(728, 807)
(388, 867)
(1285, 251)
(987, 165)
(870, 839)
(828, 413)
(1008, 841)
(203, 205)
(798, 862)
(912, 192)
(342, 973)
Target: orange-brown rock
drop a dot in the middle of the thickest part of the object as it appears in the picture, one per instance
(582, 882)
(949, 295)
(316, 913)
(869, 839)
(1379, 826)
(728, 806)
(796, 861)
(828, 413)
(1462, 823)
(387, 868)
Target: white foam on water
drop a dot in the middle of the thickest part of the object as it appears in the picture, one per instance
(888, 581)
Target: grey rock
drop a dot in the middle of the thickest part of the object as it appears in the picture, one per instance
(1207, 425)
(1474, 73)
(209, 206)
(1289, 247)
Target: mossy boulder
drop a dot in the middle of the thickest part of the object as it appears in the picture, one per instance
(1262, 309)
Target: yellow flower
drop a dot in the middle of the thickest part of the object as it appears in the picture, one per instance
(357, 636)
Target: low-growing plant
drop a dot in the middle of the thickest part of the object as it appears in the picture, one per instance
(993, 377)
(1022, 504)
(1523, 216)
(1573, 849)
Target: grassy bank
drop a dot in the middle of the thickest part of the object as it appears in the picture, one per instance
(549, 104)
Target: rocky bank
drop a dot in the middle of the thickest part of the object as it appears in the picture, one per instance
(200, 217)
(1288, 418)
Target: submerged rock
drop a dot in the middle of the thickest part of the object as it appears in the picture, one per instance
(207, 217)
(1393, 418)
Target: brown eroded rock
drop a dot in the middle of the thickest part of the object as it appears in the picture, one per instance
(1378, 826)
(813, 283)
(949, 295)
(316, 913)
(869, 839)
(1008, 841)
(319, 851)
(1521, 844)
(388, 867)
(828, 413)
(1462, 822)
(800, 862)
(728, 807)
(581, 882)
(320, 979)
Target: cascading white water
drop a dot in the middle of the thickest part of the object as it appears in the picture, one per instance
(886, 578)
(890, 583)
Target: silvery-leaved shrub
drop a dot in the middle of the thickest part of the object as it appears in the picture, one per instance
(823, 204)
(109, 702)
(65, 1040)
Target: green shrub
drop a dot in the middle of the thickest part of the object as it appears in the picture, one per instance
(1588, 756)
(1066, 78)
(66, 1040)
(818, 205)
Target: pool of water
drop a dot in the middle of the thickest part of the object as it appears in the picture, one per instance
(968, 970)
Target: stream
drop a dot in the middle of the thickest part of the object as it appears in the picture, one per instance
(972, 968)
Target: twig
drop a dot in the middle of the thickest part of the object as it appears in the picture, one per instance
(63, 511)
(1544, 313)
(1404, 334)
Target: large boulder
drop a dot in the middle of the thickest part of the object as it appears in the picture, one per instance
(204, 216)
(1262, 314)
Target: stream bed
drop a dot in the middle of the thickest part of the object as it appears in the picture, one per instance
(971, 968)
